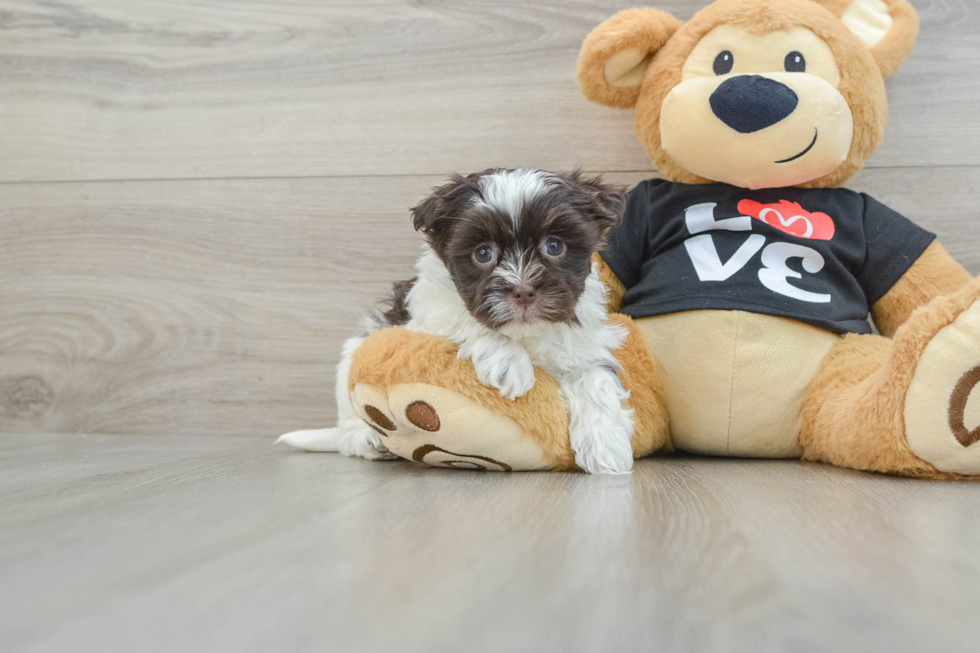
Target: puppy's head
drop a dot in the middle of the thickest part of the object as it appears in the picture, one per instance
(518, 244)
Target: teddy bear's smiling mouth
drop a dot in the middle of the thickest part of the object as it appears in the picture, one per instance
(809, 147)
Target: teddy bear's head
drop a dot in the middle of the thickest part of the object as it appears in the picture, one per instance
(753, 93)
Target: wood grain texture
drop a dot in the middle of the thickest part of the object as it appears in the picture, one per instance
(198, 305)
(219, 307)
(211, 544)
(140, 89)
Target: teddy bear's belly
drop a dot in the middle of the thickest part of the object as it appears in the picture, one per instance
(735, 381)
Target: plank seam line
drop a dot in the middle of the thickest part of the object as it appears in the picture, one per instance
(38, 182)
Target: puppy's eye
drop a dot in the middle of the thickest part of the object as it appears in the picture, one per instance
(724, 63)
(483, 255)
(795, 63)
(553, 246)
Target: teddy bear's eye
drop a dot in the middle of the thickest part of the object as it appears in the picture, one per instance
(795, 63)
(724, 63)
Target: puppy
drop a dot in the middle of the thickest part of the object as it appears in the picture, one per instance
(506, 273)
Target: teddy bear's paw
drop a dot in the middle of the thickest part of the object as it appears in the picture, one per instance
(439, 427)
(942, 406)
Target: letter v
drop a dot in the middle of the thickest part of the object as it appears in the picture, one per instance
(707, 263)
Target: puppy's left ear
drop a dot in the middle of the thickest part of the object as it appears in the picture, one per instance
(606, 202)
(889, 28)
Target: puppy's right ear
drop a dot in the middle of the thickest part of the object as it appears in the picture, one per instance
(615, 55)
(426, 214)
(434, 216)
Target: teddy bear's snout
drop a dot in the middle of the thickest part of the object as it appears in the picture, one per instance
(750, 103)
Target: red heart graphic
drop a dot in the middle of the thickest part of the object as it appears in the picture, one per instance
(790, 218)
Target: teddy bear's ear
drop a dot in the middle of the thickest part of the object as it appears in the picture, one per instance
(615, 55)
(887, 27)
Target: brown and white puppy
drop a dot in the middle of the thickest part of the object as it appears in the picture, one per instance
(506, 273)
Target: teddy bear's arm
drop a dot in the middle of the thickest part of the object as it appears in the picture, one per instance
(934, 274)
(614, 300)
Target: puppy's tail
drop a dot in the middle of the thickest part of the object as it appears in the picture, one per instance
(315, 440)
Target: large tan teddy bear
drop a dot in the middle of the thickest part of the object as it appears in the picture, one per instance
(746, 276)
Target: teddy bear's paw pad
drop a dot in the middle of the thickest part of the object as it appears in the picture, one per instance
(430, 454)
(371, 405)
(942, 407)
(442, 428)
(423, 416)
(378, 419)
(964, 408)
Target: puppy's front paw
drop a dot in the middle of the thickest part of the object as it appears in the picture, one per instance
(600, 429)
(503, 364)
(605, 452)
(373, 449)
(357, 439)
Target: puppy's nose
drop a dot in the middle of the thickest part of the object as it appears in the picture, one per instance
(750, 103)
(524, 296)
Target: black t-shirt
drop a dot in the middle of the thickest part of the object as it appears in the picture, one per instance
(819, 256)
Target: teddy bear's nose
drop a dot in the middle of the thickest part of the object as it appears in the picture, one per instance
(749, 103)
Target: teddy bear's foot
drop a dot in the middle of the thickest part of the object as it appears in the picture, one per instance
(908, 405)
(942, 407)
(438, 427)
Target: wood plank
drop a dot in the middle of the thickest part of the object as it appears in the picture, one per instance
(187, 307)
(248, 548)
(139, 89)
(233, 287)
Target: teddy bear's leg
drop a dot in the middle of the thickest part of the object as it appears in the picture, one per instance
(908, 405)
(428, 406)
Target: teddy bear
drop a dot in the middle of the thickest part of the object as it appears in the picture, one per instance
(746, 275)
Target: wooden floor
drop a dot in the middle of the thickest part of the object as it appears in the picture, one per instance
(177, 543)
(197, 202)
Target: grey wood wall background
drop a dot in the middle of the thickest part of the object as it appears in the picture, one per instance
(199, 198)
